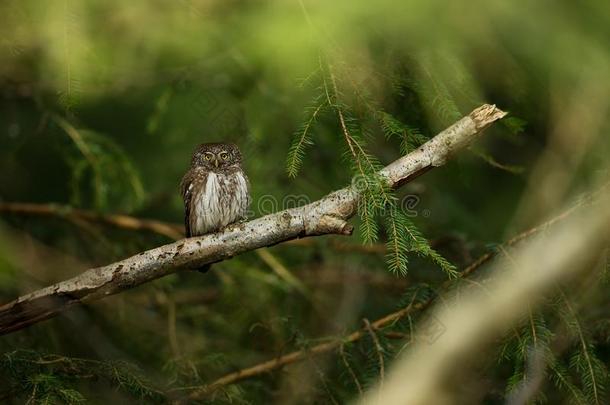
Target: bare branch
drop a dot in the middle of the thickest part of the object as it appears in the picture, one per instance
(300, 355)
(168, 229)
(325, 216)
(172, 231)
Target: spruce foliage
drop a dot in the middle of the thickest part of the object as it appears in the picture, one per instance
(378, 204)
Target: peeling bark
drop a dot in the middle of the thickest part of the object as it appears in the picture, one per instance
(325, 216)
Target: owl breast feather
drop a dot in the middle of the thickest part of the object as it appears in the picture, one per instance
(221, 201)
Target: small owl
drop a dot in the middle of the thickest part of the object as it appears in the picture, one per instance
(215, 189)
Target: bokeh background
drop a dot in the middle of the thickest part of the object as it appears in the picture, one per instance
(103, 102)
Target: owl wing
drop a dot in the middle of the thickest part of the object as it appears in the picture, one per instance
(249, 197)
(187, 188)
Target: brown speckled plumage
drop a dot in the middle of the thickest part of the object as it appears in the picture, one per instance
(215, 190)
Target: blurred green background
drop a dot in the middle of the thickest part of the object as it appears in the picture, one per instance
(103, 102)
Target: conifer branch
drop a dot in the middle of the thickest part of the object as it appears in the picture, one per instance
(325, 216)
(300, 355)
(472, 321)
(589, 367)
(371, 331)
(302, 139)
(350, 370)
(379, 324)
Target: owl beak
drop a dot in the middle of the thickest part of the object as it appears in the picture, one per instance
(216, 162)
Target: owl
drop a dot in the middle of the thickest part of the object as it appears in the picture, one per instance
(215, 189)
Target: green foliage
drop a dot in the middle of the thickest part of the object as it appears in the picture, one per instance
(376, 197)
(416, 294)
(369, 230)
(579, 374)
(529, 351)
(161, 106)
(592, 372)
(406, 238)
(410, 138)
(492, 162)
(53, 379)
(417, 243)
(434, 93)
(514, 124)
(397, 245)
(562, 379)
(103, 175)
(302, 137)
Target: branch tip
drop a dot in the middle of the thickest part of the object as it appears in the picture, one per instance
(486, 114)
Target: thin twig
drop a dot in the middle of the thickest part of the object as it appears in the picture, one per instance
(323, 379)
(349, 369)
(171, 326)
(281, 271)
(297, 356)
(172, 231)
(583, 343)
(378, 348)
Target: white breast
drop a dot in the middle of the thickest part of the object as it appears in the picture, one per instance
(222, 201)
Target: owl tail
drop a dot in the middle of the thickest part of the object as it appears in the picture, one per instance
(204, 269)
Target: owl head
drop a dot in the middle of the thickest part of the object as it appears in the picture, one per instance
(216, 157)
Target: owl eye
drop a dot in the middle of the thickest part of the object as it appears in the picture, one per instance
(208, 156)
(224, 155)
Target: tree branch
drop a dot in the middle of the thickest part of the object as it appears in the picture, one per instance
(175, 231)
(325, 216)
(172, 231)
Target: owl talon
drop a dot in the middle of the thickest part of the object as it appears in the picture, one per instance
(204, 269)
